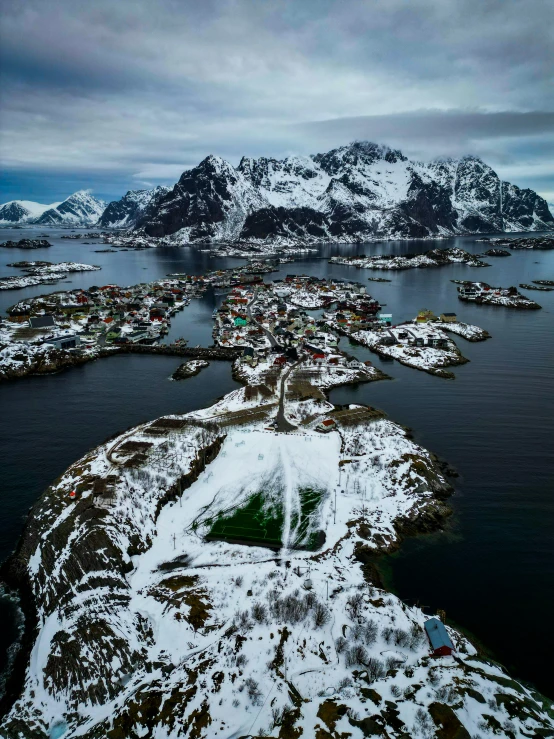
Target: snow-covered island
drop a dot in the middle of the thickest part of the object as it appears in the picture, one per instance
(212, 573)
(40, 273)
(483, 294)
(422, 344)
(433, 258)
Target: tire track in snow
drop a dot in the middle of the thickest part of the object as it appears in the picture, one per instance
(290, 501)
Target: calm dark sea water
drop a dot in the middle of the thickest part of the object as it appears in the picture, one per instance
(492, 570)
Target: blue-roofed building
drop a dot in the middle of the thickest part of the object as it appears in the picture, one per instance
(438, 637)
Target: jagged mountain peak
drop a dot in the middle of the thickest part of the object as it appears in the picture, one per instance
(215, 164)
(357, 154)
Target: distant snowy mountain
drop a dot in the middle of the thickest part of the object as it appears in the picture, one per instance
(80, 209)
(22, 211)
(352, 193)
(126, 212)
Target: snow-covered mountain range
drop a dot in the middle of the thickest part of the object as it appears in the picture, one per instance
(80, 209)
(352, 193)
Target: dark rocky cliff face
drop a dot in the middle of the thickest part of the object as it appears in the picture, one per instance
(351, 193)
(523, 206)
(204, 197)
(430, 205)
(268, 223)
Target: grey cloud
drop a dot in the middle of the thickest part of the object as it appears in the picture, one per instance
(429, 125)
(141, 89)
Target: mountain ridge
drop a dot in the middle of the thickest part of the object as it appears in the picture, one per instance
(357, 192)
(351, 193)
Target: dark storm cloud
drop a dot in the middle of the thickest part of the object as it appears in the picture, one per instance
(136, 92)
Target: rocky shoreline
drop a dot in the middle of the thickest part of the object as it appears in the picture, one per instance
(51, 360)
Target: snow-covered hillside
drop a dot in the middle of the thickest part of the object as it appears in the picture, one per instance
(80, 209)
(125, 212)
(352, 193)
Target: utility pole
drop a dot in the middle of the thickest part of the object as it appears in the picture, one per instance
(335, 511)
(174, 541)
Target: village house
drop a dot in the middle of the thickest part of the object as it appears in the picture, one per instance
(441, 644)
(325, 426)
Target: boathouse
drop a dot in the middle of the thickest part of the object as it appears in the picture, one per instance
(64, 342)
(439, 640)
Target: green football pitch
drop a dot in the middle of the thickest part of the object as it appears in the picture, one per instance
(260, 522)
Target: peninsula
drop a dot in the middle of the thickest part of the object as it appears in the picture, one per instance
(200, 567)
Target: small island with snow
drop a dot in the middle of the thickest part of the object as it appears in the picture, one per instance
(42, 273)
(433, 258)
(189, 369)
(483, 294)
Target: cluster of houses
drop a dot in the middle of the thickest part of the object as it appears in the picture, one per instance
(114, 315)
(106, 314)
(268, 321)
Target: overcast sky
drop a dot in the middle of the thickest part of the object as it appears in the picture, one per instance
(118, 95)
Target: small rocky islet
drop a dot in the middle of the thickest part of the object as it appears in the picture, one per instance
(537, 243)
(497, 252)
(544, 288)
(189, 369)
(26, 244)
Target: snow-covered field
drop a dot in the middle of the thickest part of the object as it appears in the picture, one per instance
(151, 625)
(466, 330)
